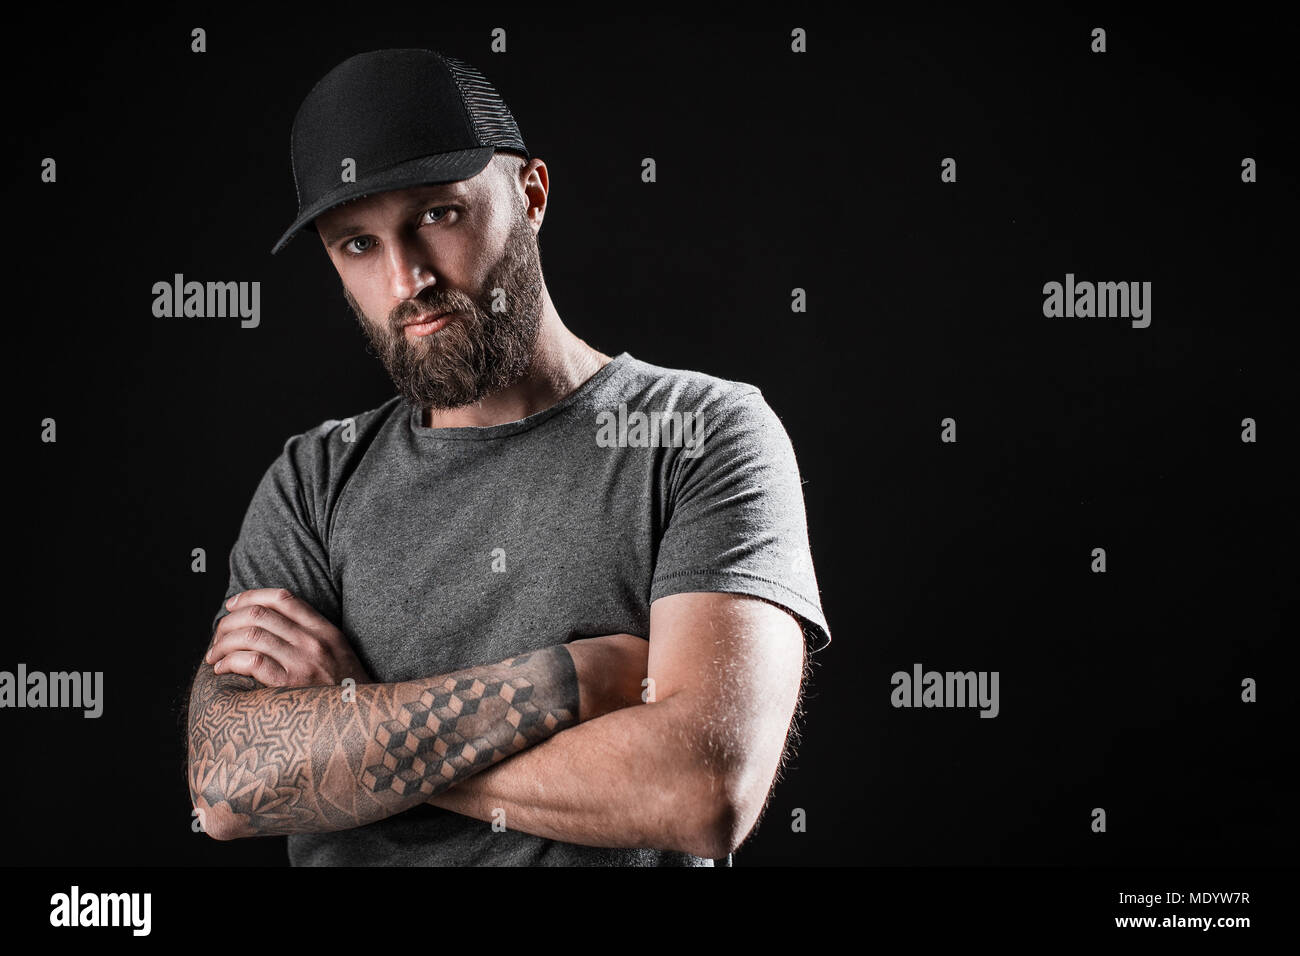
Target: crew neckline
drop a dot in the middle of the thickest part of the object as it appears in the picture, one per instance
(505, 429)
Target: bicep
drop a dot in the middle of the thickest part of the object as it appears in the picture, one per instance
(281, 541)
(737, 661)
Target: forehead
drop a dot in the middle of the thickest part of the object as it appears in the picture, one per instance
(393, 202)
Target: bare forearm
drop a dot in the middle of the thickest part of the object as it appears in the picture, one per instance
(266, 761)
(630, 778)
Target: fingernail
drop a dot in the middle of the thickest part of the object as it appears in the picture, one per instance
(231, 602)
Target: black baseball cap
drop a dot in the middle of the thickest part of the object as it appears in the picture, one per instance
(405, 118)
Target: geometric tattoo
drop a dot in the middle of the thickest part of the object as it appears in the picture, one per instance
(444, 732)
(283, 760)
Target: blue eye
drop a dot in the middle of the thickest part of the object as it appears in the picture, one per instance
(350, 250)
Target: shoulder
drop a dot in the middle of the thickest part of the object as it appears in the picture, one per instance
(686, 390)
(728, 416)
(322, 457)
(336, 439)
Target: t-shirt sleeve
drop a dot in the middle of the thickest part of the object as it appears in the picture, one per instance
(281, 541)
(737, 521)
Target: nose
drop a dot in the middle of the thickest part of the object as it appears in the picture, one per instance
(410, 271)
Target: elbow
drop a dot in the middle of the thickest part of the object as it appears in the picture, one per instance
(211, 810)
(215, 821)
(719, 835)
(724, 818)
(205, 820)
(218, 832)
(218, 822)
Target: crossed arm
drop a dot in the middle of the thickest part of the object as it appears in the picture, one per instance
(726, 671)
(276, 760)
(689, 770)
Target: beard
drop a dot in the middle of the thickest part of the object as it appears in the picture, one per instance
(481, 349)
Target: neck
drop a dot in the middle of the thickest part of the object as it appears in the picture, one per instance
(561, 364)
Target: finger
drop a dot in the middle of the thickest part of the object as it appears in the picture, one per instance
(253, 639)
(292, 607)
(253, 664)
(256, 627)
(259, 615)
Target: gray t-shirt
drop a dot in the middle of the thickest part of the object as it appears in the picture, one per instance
(436, 549)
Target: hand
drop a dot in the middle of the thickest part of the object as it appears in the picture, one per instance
(610, 670)
(281, 641)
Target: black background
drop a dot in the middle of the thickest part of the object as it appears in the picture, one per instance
(821, 171)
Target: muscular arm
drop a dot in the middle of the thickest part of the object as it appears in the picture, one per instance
(277, 760)
(690, 771)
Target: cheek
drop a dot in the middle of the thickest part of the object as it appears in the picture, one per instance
(456, 262)
(358, 291)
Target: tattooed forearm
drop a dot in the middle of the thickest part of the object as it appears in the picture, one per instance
(266, 761)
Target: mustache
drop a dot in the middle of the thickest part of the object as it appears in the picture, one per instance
(406, 311)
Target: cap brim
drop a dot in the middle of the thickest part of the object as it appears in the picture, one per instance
(423, 171)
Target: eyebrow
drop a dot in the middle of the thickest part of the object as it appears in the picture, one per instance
(447, 191)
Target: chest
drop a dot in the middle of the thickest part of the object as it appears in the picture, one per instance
(442, 568)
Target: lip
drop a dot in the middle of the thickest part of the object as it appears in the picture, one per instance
(430, 325)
